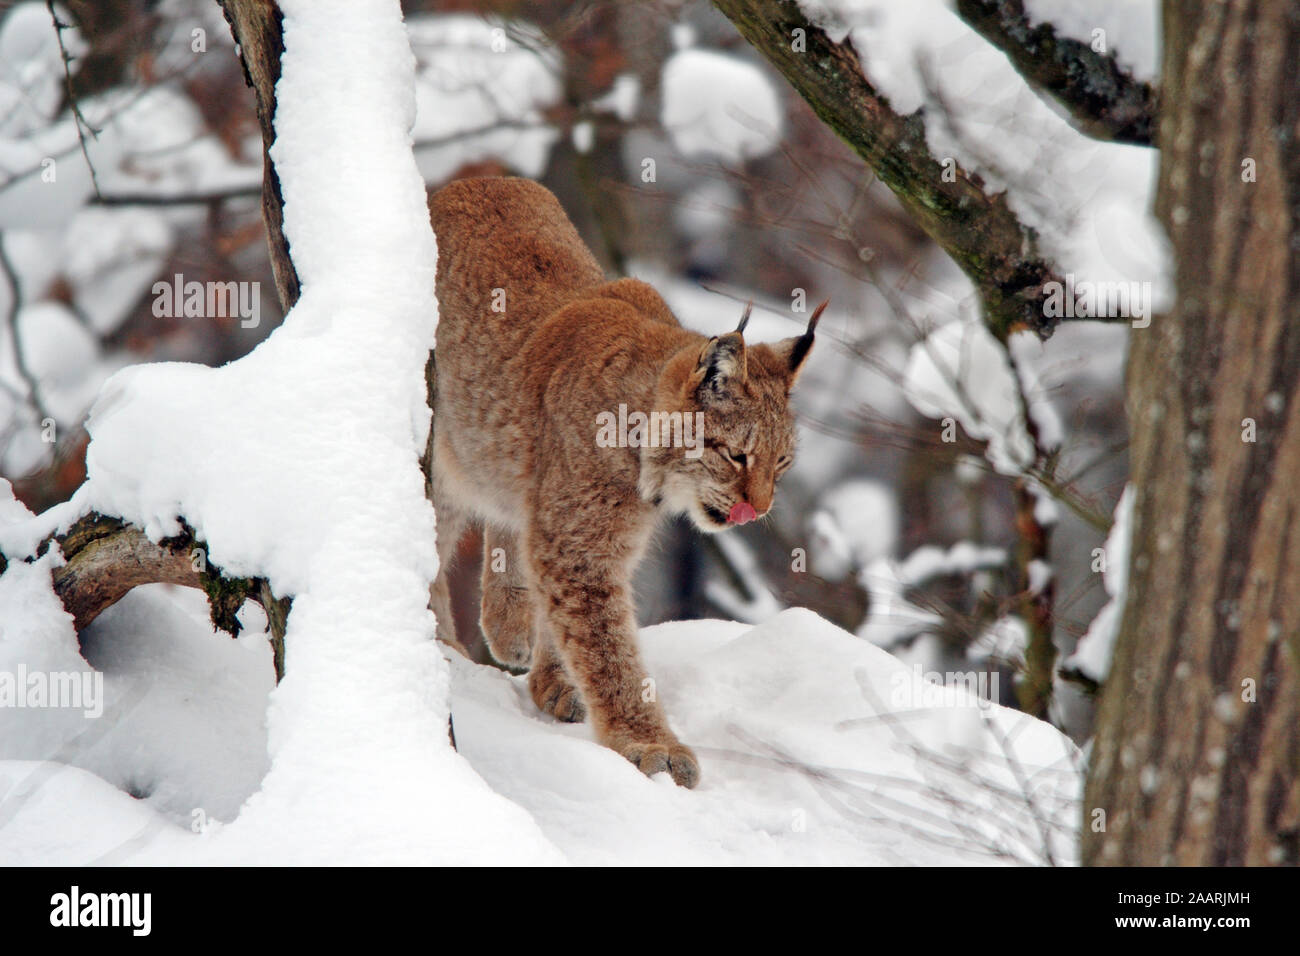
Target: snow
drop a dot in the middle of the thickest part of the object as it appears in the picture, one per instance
(718, 105)
(928, 562)
(60, 354)
(583, 136)
(622, 99)
(856, 524)
(893, 619)
(111, 258)
(1131, 28)
(150, 140)
(31, 65)
(817, 749)
(1002, 642)
(960, 371)
(480, 93)
(761, 604)
(1093, 654)
(184, 708)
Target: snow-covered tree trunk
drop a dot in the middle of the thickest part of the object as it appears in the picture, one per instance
(1197, 754)
(297, 469)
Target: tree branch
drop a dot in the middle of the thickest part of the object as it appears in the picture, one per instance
(105, 558)
(77, 118)
(1104, 101)
(981, 233)
(15, 334)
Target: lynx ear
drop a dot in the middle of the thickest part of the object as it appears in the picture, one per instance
(797, 349)
(721, 365)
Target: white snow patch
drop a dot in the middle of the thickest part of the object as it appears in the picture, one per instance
(719, 105)
(960, 371)
(480, 94)
(1093, 654)
(1130, 28)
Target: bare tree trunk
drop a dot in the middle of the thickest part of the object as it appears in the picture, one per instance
(256, 26)
(1197, 754)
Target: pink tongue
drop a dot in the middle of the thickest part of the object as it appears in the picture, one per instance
(741, 512)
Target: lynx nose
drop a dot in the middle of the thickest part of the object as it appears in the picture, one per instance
(741, 513)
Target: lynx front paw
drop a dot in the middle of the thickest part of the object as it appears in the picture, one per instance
(554, 695)
(673, 757)
(507, 622)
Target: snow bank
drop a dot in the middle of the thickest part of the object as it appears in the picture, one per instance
(817, 749)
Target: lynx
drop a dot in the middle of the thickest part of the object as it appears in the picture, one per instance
(535, 349)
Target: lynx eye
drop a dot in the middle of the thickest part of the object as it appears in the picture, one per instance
(735, 458)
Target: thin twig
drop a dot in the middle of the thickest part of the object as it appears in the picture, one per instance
(11, 274)
(79, 120)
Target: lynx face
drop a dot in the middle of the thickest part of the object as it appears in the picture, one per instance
(749, 437)
(748, 443)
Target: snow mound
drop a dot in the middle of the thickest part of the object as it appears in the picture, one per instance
(817, 748)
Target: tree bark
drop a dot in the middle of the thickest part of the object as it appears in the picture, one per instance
(256, 26)
(1197, 754)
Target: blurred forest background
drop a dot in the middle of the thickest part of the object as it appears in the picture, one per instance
(684, 160)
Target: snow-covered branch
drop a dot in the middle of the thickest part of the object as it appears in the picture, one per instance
(980, 231)
(1103, 99)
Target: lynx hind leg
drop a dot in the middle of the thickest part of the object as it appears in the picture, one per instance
(552, 688)
(451, 527)
(507, 613)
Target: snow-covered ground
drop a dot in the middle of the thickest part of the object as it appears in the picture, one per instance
(817, 747)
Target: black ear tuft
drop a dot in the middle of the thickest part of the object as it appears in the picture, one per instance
(803, 345)
(744, 319)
